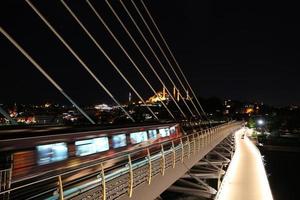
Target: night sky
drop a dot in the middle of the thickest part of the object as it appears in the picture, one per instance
(244, 51)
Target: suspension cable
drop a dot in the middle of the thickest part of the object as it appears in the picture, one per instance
(107, 56)
(167, 59)
(173, 57)
(77, 57)
(159, 78)
(127, 55)
(43, 72)
(166, 72)
(138, 47)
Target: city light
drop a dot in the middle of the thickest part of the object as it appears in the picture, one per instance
(260, 122)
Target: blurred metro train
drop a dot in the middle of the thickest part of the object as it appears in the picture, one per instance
(42, 152)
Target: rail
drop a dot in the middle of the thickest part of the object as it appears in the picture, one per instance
(124, 178)
(5, 179)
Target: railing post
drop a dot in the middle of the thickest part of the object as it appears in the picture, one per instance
(205, 134)
(4, 180)
(130, 182)
(163, 161)
(198, 142)
(9, 179)
(103, 183)
(189, 146)
(174, 155)
(182, 150)
(0, 181)
(194, 144)
(215, 134)
(150, 166)
(207, 137)
(61, 190)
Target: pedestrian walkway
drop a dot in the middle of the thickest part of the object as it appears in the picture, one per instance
(246, 177)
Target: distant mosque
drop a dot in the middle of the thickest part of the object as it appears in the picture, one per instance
(164, 96)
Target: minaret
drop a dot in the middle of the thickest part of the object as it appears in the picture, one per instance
(178, 95)
(187, 95)
(164, 93)
(129, 97)
(174, 92)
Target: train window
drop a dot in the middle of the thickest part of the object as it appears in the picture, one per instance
(172, 130)
(164, 132)
(152, 134)
(138, 137)
(119, 140)
(87, 147)
(50, 153)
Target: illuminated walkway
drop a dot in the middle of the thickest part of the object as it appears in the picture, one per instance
(245, 178)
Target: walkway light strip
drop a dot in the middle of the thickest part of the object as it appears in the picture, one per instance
(226, 191)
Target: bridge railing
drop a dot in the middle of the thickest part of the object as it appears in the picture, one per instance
(5, 179)
(123, 178)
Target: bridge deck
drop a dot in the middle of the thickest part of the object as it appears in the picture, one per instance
(246, 177)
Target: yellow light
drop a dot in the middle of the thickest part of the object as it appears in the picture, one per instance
(47, 105)
(249, 110)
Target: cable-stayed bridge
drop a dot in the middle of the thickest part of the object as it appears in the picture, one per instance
(184, 152)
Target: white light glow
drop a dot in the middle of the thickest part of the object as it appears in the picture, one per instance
(246, 176)
(260, 122)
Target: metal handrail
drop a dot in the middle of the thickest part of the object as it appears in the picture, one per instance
(5, 179)
(215, 136)
(170, 142)
(61, 190)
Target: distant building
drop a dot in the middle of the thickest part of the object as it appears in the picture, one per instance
(103, 107)
(161, 96)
